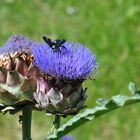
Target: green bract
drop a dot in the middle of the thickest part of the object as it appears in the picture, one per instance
(60, 98)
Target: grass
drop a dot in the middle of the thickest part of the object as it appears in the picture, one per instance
(111, 29)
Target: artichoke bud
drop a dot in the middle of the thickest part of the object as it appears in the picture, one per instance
(17, 80)
(61, 98)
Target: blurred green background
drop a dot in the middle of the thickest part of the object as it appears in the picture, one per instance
(111, 29)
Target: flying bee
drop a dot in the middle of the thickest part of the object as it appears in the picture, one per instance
(54, 44)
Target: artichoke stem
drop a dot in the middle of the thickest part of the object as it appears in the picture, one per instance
(56, 122)
(26, 122)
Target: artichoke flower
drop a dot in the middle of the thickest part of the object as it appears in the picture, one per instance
(17, 74)
(64, 66)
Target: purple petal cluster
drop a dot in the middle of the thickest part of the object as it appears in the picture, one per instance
(17, 43)
(67, 138)
(70, 61)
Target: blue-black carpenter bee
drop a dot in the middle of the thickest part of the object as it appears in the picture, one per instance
(54, 44)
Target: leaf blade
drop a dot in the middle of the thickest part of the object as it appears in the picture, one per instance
(115, 102)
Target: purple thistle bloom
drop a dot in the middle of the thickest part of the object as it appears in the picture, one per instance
(17, 43)
(70, 61)
(67, 138)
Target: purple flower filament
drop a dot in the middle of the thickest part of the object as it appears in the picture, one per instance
(70, 61)
(17, 43)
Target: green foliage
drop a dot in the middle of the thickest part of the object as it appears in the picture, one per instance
(111, 29)
(103, 107)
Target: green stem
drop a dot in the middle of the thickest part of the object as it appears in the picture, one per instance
(56, 122)
(26, 122)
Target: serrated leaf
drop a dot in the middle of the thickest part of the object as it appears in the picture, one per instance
(8, 109)
(90, 114)
(100, 101)
(132, 87)
(90, 118)
(1, 104)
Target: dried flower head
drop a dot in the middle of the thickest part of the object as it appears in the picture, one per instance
(16, 54)
(17, 72)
